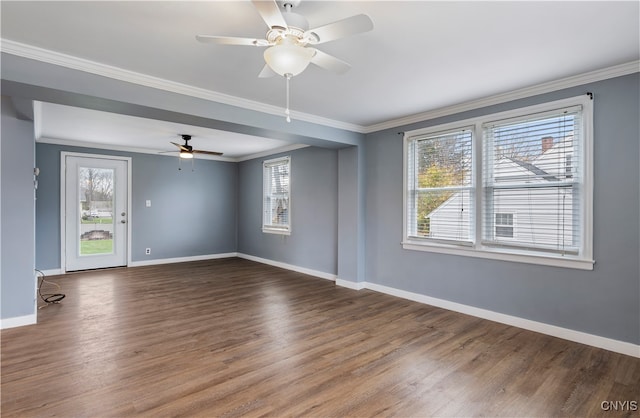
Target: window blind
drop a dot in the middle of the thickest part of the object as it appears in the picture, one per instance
(531, 181)
(440, 186)
(276, 203)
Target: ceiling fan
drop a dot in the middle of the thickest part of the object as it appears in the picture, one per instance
(187, 151)
(289, 40)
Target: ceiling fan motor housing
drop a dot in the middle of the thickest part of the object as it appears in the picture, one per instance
(297, 25)
(186, 145)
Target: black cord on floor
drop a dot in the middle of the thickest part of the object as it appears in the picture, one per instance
(50, 297)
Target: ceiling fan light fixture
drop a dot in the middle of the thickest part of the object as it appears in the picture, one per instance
(186, 155)
(286, 57)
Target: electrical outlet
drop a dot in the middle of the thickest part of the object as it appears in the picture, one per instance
(147, 251)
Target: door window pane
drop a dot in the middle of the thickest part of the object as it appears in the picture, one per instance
(96, 210)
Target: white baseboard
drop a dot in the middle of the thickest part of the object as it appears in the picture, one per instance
(304, 270)
(541, 327)
(18, 321)
(52, 272)
(156, 261)
(153, 262)
(350, 285)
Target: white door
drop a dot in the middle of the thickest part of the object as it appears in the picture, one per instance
(95, 212)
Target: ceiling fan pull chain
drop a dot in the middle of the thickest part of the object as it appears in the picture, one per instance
(286, 111)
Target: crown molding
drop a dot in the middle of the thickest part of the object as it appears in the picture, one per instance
(117, 73)
(563, 83)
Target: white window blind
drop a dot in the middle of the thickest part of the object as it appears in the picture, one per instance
(532, 169)
(440, 186)
(276, 196)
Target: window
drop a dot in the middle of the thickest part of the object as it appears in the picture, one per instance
(467, 185)
(525, 172)
(441, 186)
(276, 216)
(504, 225)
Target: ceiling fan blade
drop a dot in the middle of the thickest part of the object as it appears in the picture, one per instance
(230, 40)
(329, 62)
(340, 29)
(270, 13)
(197, 151)
(267, 72)
(182, 147)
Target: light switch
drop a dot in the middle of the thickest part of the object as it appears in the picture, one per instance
(148, 203)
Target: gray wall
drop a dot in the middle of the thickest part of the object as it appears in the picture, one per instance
(314, 211)
(17, 276)
(198, 213)
(605, 301)
(192, 212)
(348, 214)
(351, 214)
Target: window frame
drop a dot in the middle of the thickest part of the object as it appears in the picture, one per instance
(270, 228)
(582, 260)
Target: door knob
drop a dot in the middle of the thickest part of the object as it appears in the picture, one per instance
(123, 221)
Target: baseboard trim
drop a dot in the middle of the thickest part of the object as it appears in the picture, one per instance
(350, 285)
(617, 346)
(304, 270)
(157, 261)
(52, 272)
(18, 321)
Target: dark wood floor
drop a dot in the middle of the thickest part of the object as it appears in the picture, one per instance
(236, 338)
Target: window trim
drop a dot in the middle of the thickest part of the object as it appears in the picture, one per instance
(583, 260)
(268, 228)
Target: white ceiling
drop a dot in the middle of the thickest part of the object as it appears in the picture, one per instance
(420, 56)
(76, 126)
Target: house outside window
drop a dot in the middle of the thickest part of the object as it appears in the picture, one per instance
(515, 185)
(504, 225)
(276, 218)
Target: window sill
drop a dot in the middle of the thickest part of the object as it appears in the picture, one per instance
(572, 262)
(276, 231)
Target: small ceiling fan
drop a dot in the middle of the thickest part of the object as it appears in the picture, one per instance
(187, 151)
(289, 40)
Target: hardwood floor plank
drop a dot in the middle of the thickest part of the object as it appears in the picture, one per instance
(231, 338)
